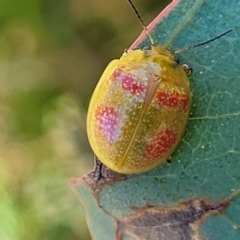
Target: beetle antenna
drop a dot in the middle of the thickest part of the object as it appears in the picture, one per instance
(206, 42)
(141, 21)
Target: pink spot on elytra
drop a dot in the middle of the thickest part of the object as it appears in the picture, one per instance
(107, 122)
(128, 82)
(160, 144)
(116, 75)
(172, 99)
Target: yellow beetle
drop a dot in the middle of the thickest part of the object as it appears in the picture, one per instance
(139, 110)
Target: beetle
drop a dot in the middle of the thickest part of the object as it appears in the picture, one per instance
(140, 107)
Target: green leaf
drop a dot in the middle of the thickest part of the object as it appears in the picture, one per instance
(205, 165)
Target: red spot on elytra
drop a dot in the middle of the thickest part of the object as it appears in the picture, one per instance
(172, 99)
(107, 122)
(128, 82)
(161, 144)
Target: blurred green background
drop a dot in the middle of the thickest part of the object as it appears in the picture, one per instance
(52, 53)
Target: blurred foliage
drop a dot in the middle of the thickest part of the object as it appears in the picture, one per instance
(52, 53)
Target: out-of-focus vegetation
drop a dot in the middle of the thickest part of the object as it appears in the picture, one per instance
(52, 53)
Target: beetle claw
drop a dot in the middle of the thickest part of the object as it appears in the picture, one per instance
(187, 69)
